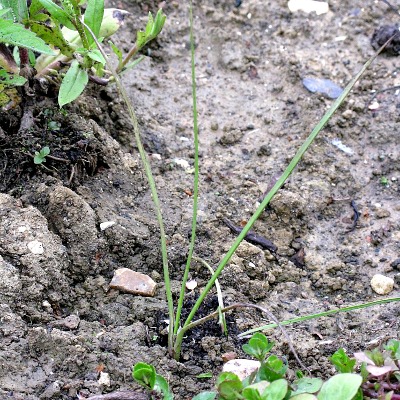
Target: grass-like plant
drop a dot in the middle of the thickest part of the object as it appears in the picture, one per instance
(178, 327)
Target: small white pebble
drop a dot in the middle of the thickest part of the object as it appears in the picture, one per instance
(191, 285)
(104, 379)
(36, 247)
(374, 105)
(107, 224)
(382, 284)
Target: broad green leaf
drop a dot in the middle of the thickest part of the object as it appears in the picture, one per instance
(272, 369)
(253, 392)
(342, 362)
(144, 374)
(93, 17)
(205, 396)
(341, 386)
(52, 35)
(45, 151)
(11, 79)
(161, 385)
(276, 390)
(35, 8)
(229, 386)
(307, 385)
(16, 35)
(19, 9)
(4, 11)
(258, 346)
(304, 396)
(60, 15)
(73, 84)
(96, 56)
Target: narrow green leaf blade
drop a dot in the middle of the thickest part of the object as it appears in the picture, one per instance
(94, 17)
(58, 13)
(73, 84)
(15, 34)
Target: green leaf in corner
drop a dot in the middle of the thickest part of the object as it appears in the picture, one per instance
(18, 9)
(73, 84)
(16, 35)
(93, 17)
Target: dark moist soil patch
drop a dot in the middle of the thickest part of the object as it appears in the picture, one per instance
(192, 345)
(74, 153)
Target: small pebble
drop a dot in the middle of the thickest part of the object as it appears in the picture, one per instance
(36, 247)
(382, 284)
(72, 321)
(241, 367)
(228, 356)
(133, 282)
(396, 264)
(104, 379)
(323, 86)
(107, 224)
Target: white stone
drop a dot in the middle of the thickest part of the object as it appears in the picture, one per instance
(104, 379)
(382, 284)
(320, 7)
(191, 285)
(107, 224)
(36, 247)
(241, 367)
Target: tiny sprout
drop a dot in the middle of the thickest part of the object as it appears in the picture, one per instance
(40, 156)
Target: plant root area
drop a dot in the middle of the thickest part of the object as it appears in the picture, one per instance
(64, 334)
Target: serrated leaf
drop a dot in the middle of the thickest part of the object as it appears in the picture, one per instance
(52, 35)
(58, 13)
(93, 17)
(16, 35)
(4, 11)
(19, 9)
(73, 84)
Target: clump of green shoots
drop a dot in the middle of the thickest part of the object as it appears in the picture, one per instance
(177, 327)
(375, 376)
(67, 39)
